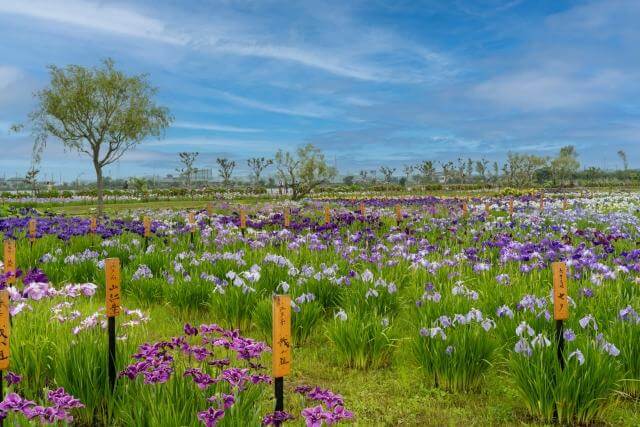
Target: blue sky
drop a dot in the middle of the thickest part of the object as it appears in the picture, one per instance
(370, 82)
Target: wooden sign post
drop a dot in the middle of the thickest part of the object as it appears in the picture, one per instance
(243, 221)
(93, 226)
(192, 225)
(560, 304)
(398, 215)
(327, 215)
(10, 260)
(464, 208)
(146, 222)
(5, 334)
(287, 217)
(281, 345)
(541, 201)
(565, 204)
(363, 209)
(510, 208)
(32, 231)
(112, 306)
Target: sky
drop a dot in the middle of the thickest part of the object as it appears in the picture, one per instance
(370, 82)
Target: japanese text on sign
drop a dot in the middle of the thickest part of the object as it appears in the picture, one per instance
(10, 259)
(147, 226)
(281, 347)
(560, 295)
(32, 230)
(287, 217)
(112, 271)
(243, 219)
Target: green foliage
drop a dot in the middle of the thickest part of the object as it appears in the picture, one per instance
(577, 394)
(304, 170)
(459, 362)
(362, 341)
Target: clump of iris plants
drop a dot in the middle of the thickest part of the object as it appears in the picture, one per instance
(59, 409)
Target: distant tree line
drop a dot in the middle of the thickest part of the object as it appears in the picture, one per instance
(519, 170)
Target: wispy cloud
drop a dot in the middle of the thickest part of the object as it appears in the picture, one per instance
(553, 89)
(223, 39)
(213, 127)
(94, 16)
(8, 75)
(307, 109)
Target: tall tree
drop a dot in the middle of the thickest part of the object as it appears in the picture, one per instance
(187, 171)
(520, 169)
(566, 165)
(100, 112)
(408, 171)
(257, 166)
(31, 179)
(462, 168)
(426, 170)
(481, 168)
(447, 171)
(496, 172)
(225, 169)
(623, 157)
(469, 168)
(387, 173)
(303, 170)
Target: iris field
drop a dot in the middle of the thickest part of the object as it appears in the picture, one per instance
(443, 317)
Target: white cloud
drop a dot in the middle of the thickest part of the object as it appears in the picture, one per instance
(303, 110)
(347, 53)
(207, 144)
(8, 75)
(94, 16)
(307, 56)
(213, 127)
(546, 90)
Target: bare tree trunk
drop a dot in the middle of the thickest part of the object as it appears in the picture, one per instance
(100, 185)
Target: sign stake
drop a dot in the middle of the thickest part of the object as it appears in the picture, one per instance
(281, 345)
(287, 217)
(5, 334)
(10, 260)
(560, 305)
(146, 221)
(112, 305)
(32, 231)
(192, 225)
(243, 222)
